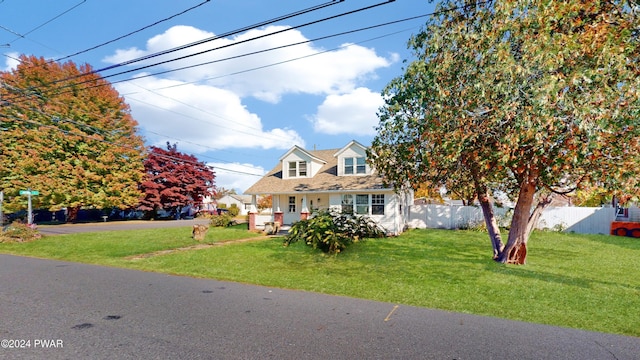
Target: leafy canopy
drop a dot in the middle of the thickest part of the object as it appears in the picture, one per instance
(174, 179)
(77, 144)
(521, 96)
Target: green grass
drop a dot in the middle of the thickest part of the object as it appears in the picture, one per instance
(112, 247)
(589, 282)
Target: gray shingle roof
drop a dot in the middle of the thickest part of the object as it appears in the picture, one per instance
(326, 180)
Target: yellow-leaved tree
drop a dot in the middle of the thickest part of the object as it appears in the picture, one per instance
(68, 134)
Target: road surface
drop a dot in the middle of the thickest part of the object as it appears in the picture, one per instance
(62, 310)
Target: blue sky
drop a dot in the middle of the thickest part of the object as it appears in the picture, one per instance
(240, 114)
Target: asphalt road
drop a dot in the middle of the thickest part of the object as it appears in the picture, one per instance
(95, 312)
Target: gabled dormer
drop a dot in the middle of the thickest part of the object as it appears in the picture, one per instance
(299, 163)
(352, 160)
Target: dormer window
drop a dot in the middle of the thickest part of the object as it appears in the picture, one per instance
(297, 168)
(354, 165)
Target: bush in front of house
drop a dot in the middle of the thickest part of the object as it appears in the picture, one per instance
(234, 210)
(332, 232)
(222, 220)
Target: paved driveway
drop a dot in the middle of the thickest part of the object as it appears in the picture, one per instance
(66, 310)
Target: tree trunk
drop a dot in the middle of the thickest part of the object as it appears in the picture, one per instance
(72, 214)
(537, 212)
(515, 252)
(490, 220)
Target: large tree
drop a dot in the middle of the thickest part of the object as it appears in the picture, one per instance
(174, 180)
(68, 134)
(530, 98)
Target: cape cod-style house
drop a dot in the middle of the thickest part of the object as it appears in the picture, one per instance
(305, 181)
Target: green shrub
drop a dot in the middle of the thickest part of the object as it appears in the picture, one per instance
(18, 232)
(234, 210)
(222, 220)
(332, 232)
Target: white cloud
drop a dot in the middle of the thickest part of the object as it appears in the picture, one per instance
(11, 62)
(236, 176)
(199, 117)
(352, 113)
(332, 72)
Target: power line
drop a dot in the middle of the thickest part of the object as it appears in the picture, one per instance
(248, 70)
(204, 111)
(277, 48)
(101, 131)
(24, 36)
(133, 32)
(297, 13)
(233, 32)
(84, 135)
(98, 130)
(235, 43)
(50, 20)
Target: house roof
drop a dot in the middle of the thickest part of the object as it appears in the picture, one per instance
(326, 180)
(246, 199)
(308, 153)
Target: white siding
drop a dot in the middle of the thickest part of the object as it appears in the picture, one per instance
(352, 152)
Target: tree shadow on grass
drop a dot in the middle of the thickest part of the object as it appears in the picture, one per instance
(581, 282)
(620, 241)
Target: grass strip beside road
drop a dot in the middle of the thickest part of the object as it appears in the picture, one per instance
(588, 282)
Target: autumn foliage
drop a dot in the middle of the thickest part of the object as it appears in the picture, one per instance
(68, 134)
(528, 98)
(174, 180)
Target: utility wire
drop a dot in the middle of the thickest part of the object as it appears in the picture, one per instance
(289, 60)
(67, 132)
(239, 72)
(278, 48)
(24, 36)
(133, 32)
(238, 42)
(260, 135)
(50, 20)
(102, 131)
(297, 13)
(233, 32)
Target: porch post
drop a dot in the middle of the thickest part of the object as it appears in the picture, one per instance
(278, 217)
(252, 213)
(304, 213)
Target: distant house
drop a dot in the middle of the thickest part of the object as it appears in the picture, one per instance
(304, 181)
(243, 202)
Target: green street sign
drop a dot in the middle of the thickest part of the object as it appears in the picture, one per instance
(27, 192)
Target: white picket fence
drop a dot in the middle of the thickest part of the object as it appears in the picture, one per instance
(582, 220)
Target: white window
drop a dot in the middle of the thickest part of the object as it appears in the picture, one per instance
(302, 168)
(293, 169)
(292, 204)
(348, 166)
(347, 204)
(362, 204)
(297, 168)
(377, 204)
(355, 165)
(361, 166)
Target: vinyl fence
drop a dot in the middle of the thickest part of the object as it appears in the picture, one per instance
(582, 220)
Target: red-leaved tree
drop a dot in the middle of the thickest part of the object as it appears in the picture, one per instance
(174, 180)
